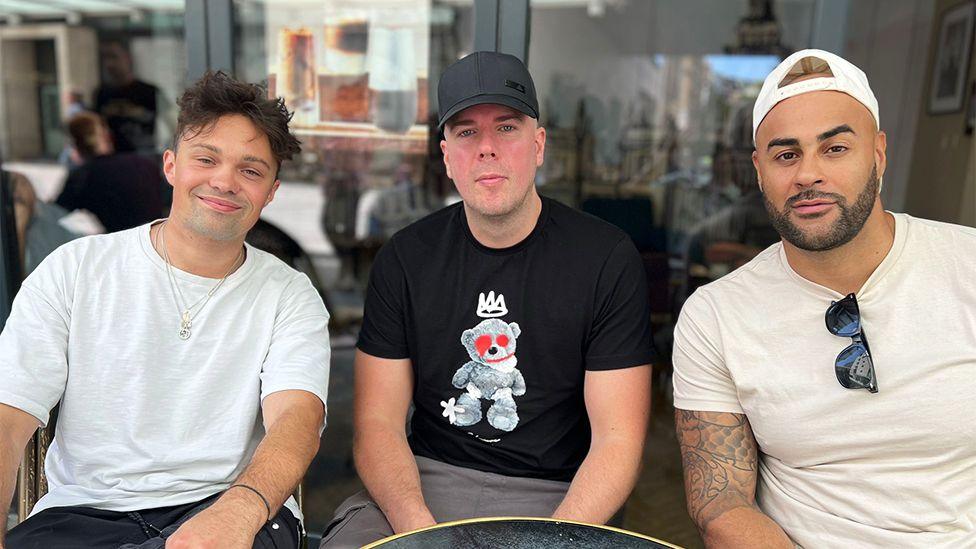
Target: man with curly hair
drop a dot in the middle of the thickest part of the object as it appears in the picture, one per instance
(191, 368)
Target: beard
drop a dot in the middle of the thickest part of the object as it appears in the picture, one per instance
(850, 221)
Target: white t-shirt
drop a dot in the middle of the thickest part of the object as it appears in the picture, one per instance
(841, 467)
(149, 420)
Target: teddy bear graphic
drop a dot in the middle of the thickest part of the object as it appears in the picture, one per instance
(490, 374)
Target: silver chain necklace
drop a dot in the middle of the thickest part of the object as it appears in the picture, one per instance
(186, 314)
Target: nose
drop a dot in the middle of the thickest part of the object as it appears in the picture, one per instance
(809, 171)
(224, 181)
(486, 148)
(493, 350)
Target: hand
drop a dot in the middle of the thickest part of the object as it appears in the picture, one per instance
(220, 525)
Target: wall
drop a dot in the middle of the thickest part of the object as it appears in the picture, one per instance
(20, 130)
(19, 99)
(941, 171)
(888, 40)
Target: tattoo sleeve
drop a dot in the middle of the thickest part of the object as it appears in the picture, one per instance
(719, 455)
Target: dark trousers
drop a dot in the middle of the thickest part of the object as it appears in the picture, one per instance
(84, 527)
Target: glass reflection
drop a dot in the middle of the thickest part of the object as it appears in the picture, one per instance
(357, 75)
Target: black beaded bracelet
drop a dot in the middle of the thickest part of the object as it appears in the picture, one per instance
(264, 500)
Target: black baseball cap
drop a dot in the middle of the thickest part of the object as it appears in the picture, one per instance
(485, 77)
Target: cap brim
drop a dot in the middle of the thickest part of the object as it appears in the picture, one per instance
(492, 98)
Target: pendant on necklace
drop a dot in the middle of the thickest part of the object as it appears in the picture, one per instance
(185, 326)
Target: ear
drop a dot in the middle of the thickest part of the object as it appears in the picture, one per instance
(274, 189)
(169, 165)
(755, 164)
(540, 146)
(467, 338)
(880, 154)
(516, 331)
(447, 162)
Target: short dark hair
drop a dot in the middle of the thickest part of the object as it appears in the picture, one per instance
(217, 94)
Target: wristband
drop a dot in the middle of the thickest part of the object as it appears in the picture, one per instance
(264, 500)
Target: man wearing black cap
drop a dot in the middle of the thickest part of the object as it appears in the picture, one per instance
(516, 326)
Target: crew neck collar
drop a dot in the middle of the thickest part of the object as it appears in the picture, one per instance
(145, 241)
(539, 225)
(865, 291)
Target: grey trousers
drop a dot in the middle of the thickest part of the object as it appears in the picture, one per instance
(451, 493)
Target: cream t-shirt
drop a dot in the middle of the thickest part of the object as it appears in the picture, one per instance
(841, 467)
(146, 419)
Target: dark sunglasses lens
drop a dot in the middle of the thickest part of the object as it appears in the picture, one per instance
(843, 318)
(855, 370)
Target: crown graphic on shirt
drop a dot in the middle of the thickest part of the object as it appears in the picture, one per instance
(490, 306)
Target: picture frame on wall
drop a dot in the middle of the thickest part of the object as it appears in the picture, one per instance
(953, 49)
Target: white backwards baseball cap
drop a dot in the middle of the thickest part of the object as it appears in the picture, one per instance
(844, 77)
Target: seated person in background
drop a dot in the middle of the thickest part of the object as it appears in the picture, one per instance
(516, 326)
(794, 431)
(38, 230)
(188, 425)
(123, 190)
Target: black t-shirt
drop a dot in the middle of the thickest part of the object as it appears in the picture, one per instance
(130, 112)
(122, 190)
(500, 339)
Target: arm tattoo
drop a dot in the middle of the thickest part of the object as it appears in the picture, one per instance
(719, 454)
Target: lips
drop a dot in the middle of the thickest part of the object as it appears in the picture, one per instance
(490, 179)
(497, 360)
(223, 206)
(812, 207)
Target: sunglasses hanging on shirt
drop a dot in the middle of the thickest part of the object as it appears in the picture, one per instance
(853, 366)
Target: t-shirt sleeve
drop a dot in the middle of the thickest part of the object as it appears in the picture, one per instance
(34, 341)
(299, 355)
(702, 381)
(384, 330)
(620, 336)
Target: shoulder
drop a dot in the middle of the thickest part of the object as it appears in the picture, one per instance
(750, 282)
(273, 272)
(937, 232)
(291, 290)
(429, 227)
(99, 244)
(425, 237)
(96, 251)
(581, 228)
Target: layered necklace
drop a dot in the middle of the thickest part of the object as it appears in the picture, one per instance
(187, 313)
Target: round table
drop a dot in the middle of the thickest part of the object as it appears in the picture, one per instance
(520, 533)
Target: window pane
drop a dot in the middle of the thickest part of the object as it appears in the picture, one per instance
(648, 113)
(361, 78)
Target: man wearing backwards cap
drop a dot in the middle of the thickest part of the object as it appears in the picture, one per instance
(793, 429)
(516, 326)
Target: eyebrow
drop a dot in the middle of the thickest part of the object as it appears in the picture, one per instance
(216, 150)
(792, 141)
(207, 146)
(250, 158)
(830, 133)
(502, 118)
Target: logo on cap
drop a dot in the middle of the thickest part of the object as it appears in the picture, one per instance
(515, 86)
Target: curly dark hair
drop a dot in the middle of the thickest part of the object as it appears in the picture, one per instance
(217, 94)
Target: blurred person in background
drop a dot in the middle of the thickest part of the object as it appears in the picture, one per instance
(123, 190)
